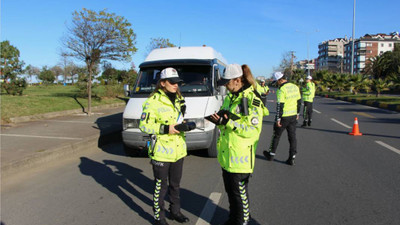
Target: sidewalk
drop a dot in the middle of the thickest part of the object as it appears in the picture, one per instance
(26, 144)
(392, 107)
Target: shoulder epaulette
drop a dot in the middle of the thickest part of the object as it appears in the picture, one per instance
(256, 101)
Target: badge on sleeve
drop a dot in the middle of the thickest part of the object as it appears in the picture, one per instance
(254, 120)
(143, 116)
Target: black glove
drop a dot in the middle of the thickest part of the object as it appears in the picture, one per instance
(222, 120)
(230, 115)
(188, 126)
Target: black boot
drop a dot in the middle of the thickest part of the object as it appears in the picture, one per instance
(304, 123)
(179, 217)
(160, 222)
(290, 161)
(309, 123)
(268, 156)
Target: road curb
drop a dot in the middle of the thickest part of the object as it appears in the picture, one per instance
(392, 107)
(38, 158)
(60, 113)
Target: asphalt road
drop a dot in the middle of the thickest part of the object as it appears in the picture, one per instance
(337, 179)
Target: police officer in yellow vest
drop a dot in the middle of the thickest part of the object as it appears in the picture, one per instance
(287, 113)
(240, 123)
(308, 93)
(163, 110)
(262, 88)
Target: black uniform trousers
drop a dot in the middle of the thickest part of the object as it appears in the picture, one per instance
(289, 124)
(165, 172)
(307, 112)
(236, 186)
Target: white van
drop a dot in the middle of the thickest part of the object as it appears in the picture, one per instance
(199, 68)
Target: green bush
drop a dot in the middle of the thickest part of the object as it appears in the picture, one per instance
(47, 76)
(15, 86)
(83, 90)
(113, 90)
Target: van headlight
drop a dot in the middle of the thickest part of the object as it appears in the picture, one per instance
(200, 122)
(130, 123)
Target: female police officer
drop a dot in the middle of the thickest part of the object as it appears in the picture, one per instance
(161, 112)
(240, 122)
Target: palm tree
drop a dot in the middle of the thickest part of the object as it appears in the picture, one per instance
(366, 85)
(380, 85)
(323, 80)
(395, 77)
(339, 81)
(379, 66)
(356, 82)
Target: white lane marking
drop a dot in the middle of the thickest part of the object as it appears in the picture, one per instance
(85, 114)
(85, 122)
(34, 136)
(316, 111)
(388, 147)
(340, 123)
(69, 121)
(209, 209)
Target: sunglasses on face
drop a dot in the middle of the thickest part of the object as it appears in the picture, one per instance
(173, 83)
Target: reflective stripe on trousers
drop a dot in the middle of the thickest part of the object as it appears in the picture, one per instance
(236, 187)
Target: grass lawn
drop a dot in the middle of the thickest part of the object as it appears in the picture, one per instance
(369, 97)
(44, 99)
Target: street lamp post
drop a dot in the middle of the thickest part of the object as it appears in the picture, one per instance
(308, 49)
(308, 54)
(352, 38)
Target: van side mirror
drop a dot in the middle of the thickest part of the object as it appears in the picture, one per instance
(127, 92)
(222, 90)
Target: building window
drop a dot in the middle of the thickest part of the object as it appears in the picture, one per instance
(382, 44)
(390, 44)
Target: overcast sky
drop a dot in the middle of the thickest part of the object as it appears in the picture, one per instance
(253, 32)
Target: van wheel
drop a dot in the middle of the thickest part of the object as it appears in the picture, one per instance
(134, 152)
(212, 150)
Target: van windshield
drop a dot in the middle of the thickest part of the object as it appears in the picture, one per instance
(196, 80)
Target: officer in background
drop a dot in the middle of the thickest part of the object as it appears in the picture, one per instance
(263, 90)
(240, 123)
(167, 148)
(287, 113)
(308, 93)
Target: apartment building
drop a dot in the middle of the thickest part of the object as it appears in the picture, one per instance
(306, 64)
(330, 55)
(368, 47)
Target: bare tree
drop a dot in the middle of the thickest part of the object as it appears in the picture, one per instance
(287, 63)
(95, 36)
(64, 63)
(158, 43)
(31, 71)
(57, 71)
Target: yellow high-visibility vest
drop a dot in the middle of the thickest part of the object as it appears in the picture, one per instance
(158, 110)
(288, 93)
(239, 138)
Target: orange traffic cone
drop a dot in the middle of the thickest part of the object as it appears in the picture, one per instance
(356, 131)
